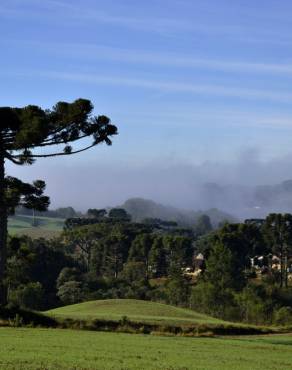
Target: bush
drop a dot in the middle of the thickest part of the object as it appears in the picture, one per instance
(20, 317)
(283, 316)
(256, 304)
(177, 292)
(205, 297)
(30, 296)
(70, 292)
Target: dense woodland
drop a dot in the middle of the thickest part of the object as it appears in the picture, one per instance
(106, 255)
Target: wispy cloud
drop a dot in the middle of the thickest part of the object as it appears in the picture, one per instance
(167, 87)
(193, 22)
(71, 12)
(169, 117)
(139, 56)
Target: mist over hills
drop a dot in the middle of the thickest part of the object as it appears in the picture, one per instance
(219, 201)
(140, 209)
(248, 201)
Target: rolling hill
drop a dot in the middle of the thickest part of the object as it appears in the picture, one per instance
(135, 310)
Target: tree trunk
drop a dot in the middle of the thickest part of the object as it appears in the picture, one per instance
(286, 270)
(33, 219)
(281, 267)
(3, 231)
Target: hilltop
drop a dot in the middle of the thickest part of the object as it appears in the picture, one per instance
(140, 208)
(133, 309)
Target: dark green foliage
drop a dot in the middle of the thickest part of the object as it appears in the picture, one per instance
(284, 316)
(203, 225)
(256, 303)
(179, 252)
(26, 317)
(116, 258)
(64, 212)
(96, 213)
(28, 296)
(119, 214)
(134, 272)
(219, 268)
(35, 262)
(177, 291)
(140, 250)
(206, 298)
(29, 196)
(225, 290)
(157, 258)
(68, 274)
(23, 132)
(277, 230)
(24, 129)
(71, 223)
(70, 292)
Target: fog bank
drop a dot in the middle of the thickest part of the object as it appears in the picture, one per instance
(245, 186)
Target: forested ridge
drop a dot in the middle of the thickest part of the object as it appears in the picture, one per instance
(229, 272)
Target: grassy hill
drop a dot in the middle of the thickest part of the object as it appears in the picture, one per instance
(135, 310)
(46, 227)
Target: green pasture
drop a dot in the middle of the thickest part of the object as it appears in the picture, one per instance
(54, 349)
(46, 227)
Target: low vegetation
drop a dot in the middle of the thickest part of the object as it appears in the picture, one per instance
(66, 349)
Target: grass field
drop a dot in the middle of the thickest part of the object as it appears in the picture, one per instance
(47, 227)
(54, 349)
(135, 310)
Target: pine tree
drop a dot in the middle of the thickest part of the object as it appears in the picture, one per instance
(24, 132)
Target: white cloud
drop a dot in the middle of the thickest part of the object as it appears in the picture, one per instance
(139, 56)
(166, 86)
(197, 20)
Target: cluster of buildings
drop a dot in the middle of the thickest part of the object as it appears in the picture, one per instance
(260, 264)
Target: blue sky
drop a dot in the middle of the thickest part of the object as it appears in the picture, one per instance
(187, 82)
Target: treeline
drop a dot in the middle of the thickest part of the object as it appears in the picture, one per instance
(234, 288)
(156, 260)
(111, 258)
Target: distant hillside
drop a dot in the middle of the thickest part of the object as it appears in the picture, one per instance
(249, 201)
(140, 209)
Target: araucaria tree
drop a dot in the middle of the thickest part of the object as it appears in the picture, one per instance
(29, 133)
(278, 233)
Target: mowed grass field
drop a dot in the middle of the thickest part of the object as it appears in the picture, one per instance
(55, 349)
(47, 227)
(135, 310)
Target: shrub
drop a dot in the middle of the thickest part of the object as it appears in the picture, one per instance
(28, 296)
(70, 292)
(284, 316)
